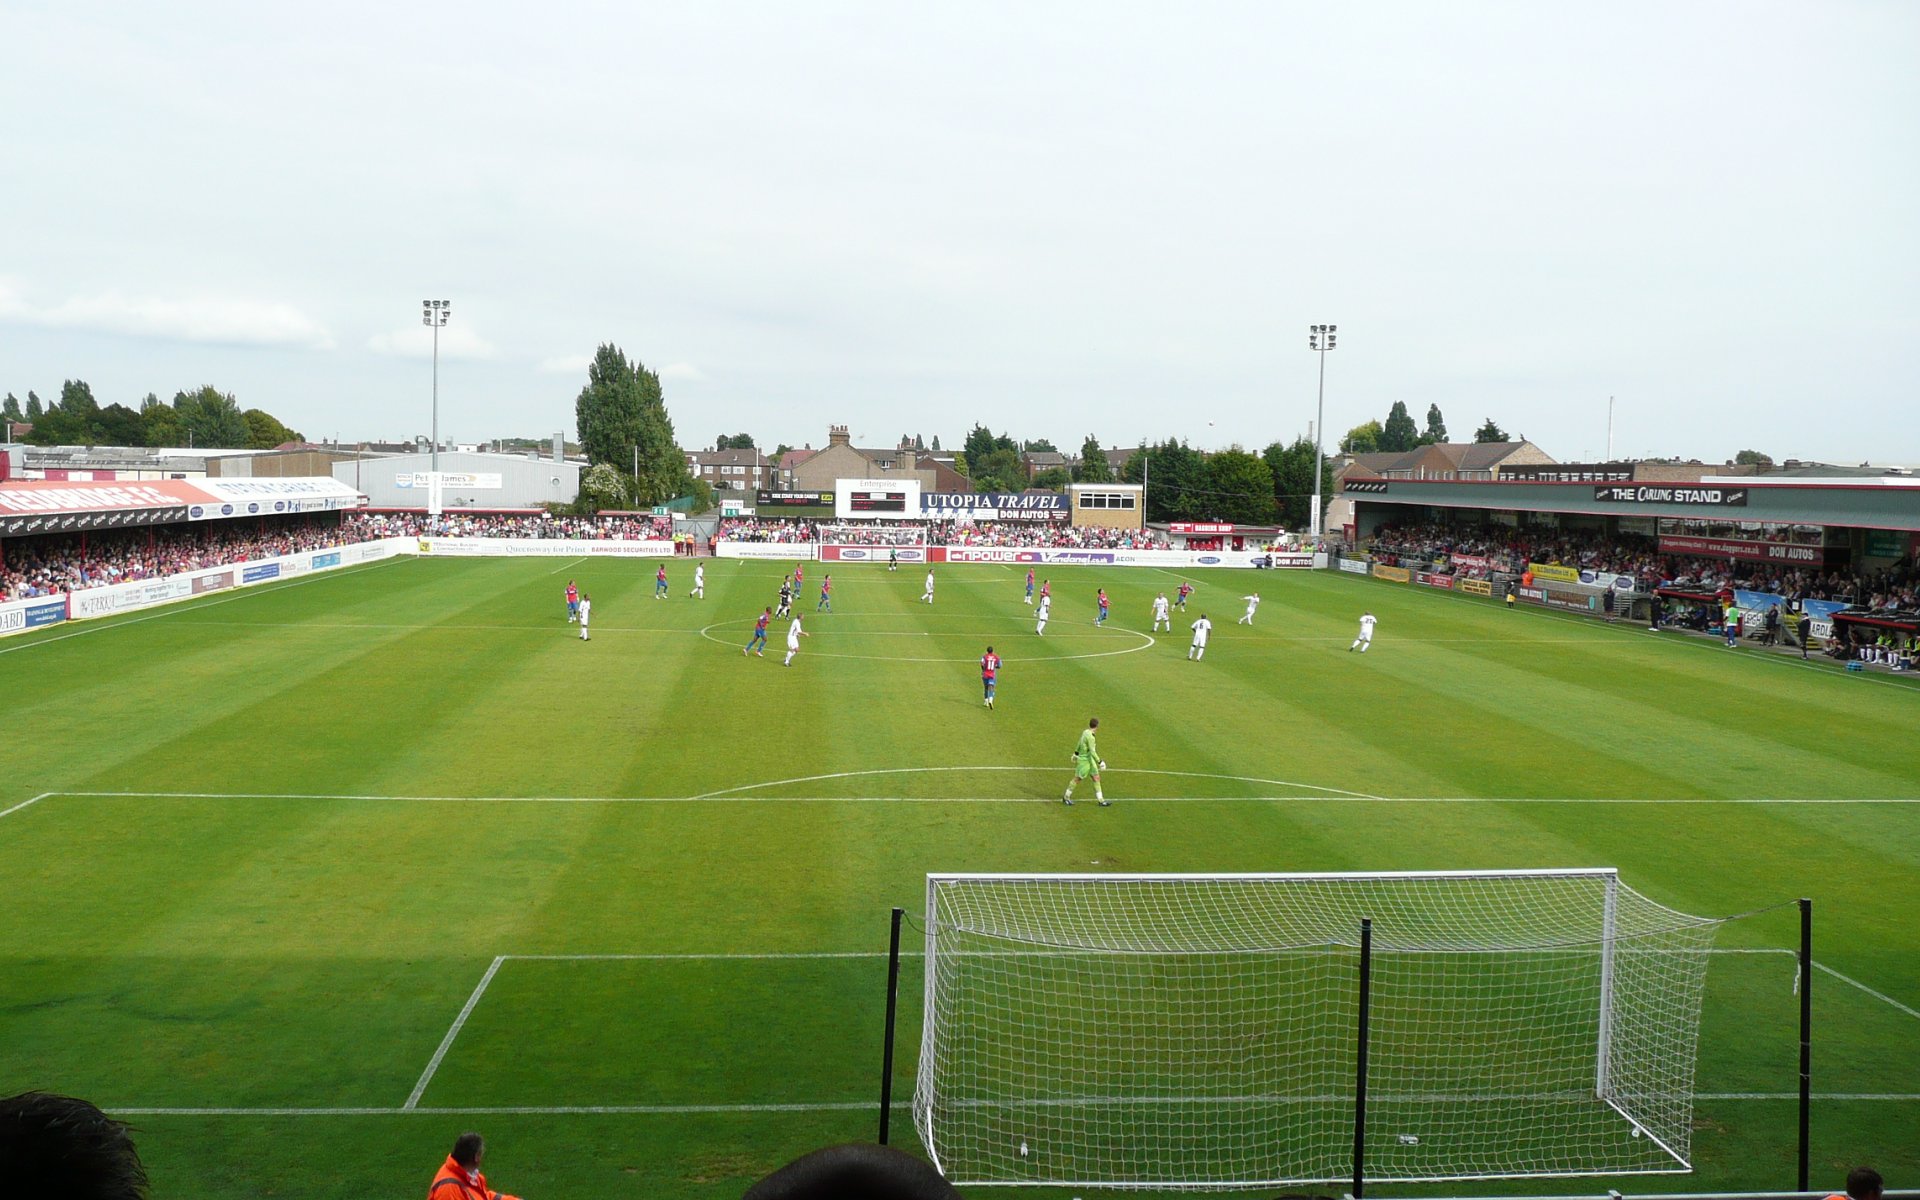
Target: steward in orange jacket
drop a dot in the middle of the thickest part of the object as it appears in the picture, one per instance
(460, 1177)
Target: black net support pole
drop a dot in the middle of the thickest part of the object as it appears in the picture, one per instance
(893, 1005)
(1360, 1060)
(1806, 1032)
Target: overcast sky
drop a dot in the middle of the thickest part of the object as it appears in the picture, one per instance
(1056, 219)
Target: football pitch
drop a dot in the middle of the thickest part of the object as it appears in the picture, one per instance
(303, 881)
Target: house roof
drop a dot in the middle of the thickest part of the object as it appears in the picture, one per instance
(729, 458)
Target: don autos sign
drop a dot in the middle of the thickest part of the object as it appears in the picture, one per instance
(1668, 493)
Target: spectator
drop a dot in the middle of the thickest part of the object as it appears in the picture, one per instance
(459, 1177)
(854, 1172)
(1863, 1183)
(57, 1146)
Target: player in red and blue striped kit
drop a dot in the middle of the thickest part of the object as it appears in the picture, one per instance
(989, 673)
(759, 633)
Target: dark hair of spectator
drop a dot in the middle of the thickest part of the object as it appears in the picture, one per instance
(854, 1172)
(1864, 1183)
(467, 1149)
(59, 1146)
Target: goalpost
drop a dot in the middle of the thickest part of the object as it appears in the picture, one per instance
(1205, 1031)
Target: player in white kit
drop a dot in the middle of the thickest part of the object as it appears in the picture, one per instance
(586, 613)
(1160, 614)
(1201, 629)
(928, 594)
(794, 634)
(1253, 602)
(1366, 634)
(699, 581)
(1046, 608)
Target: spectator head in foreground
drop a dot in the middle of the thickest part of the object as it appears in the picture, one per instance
(459, 1178)
(1864, 1183)
(854, 1172)
(59, 1146)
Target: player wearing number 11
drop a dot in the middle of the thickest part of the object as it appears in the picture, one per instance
(1086, 762)
(989, 673)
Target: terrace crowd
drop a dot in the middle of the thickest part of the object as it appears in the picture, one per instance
(1044, 534)
(52, 565)
(541, 526)
(1475, 551)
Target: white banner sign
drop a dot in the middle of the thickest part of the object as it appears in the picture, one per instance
(539, 548)
(146, 593)
(783, 550)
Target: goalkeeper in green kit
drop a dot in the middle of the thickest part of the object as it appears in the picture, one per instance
(1086, 761)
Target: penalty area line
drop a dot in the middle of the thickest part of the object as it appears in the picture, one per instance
(7, 812)
(446, 1043)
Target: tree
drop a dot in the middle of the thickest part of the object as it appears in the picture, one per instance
(1753, 458)
(34, 411)
(1362, 439)
(1053, 479)
(1292, 468)
(1241, 487)
(602, 486)
(999, 471)
(77, 398)
(1094, 467)
(160, 423)
(960, 465)
(119, 425)
(264, 431)
(621, 408)
(737, 441)
(1399, 435)
(780, 451)
(211, 419)
(1175, 475)
(936, 443)
(11, 409)
(1436, 427)
(919, 446)
(1041, 446)
(980, 443)
(1489, 433)
(57, 427)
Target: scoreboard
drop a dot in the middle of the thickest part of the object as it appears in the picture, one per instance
(878, 502)
(877, 499)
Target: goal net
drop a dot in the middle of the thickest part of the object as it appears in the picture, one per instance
(870, 534)
(1187, 1031)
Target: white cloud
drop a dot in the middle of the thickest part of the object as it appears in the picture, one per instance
(681, 370)
(233, 321)
(567, 364)
(456, 342)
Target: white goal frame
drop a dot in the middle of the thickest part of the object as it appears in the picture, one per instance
(1666, 953)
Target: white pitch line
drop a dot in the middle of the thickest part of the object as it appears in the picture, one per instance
(566, 565)
(446, 1043)
(732, 795)
(1819, 966)
(564, 1110)
(558, 1110)
(718, 955)
(26, 804)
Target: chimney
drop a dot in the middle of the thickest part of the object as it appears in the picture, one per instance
(837, 436)
(559, 446)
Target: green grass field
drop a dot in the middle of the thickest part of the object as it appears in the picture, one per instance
(262, 851)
